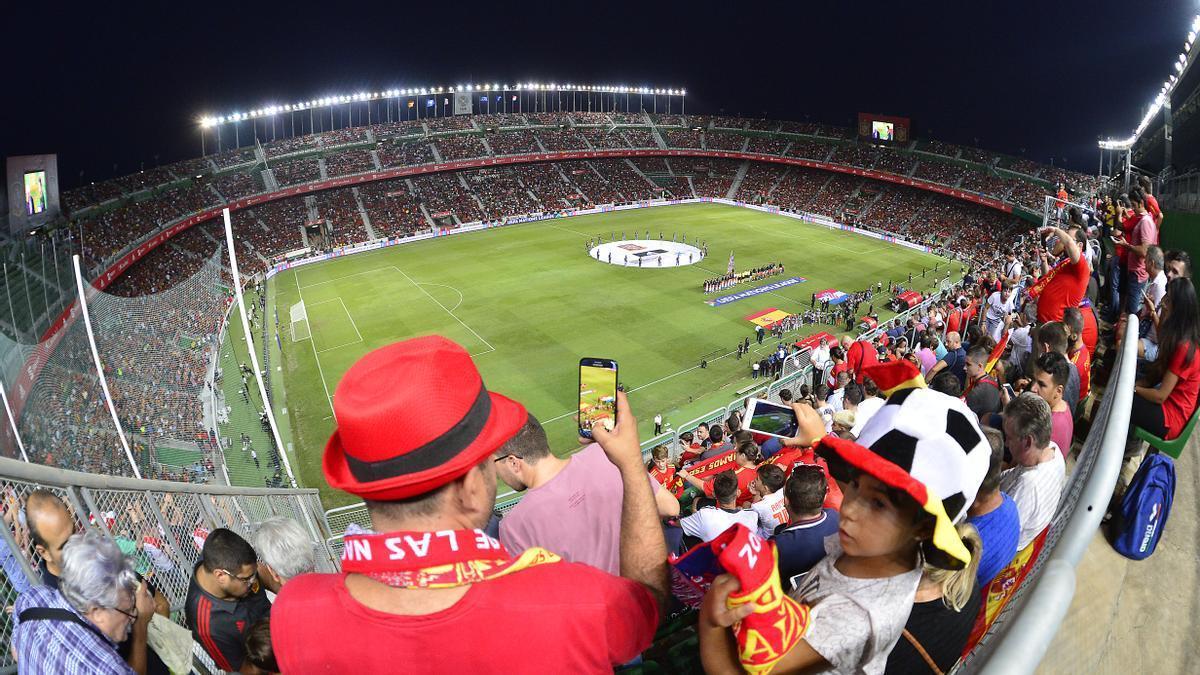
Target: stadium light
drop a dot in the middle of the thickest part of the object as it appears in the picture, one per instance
(207, 120)
(1163, 96)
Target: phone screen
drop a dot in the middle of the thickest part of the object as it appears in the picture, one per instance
(597, 393)
(771, 418)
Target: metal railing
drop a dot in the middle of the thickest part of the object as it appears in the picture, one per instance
(1023, 630)
(161, 524)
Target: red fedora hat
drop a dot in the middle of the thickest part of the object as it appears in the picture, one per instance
(411, 417)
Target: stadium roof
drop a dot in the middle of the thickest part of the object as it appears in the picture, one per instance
(275, 109)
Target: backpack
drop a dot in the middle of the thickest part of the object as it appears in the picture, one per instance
(1144, 508)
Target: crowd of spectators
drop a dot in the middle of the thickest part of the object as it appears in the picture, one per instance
(768, 145)
(392, 208)
(443, 193)
(682, 138)
(561, 140)
(940, 172)
(604, 137)
(348, 162)
(237, 184)
(294, 144)
(502, 192)
(459, 146)
(516, 142)
(297, 171)
(715, 140)
(405, 153)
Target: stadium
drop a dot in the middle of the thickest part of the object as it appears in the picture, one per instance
(204, 360)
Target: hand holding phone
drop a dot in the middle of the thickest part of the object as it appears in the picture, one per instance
(597, 394)
(769, 419)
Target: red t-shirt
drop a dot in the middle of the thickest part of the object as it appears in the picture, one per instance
(1066, 289)
(1152, 207)
(553, 618)
(837, 368)
(861, 356)
(744, 475)
(1181, 402)
(954, 321)
(1127, 226)
(790, 458)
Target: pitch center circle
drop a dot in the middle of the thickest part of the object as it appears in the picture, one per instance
(652, 253)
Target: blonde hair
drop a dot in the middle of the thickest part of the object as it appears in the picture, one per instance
(958, 585)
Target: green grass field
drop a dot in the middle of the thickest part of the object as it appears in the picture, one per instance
(527, 303)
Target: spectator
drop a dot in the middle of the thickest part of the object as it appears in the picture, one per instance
(994, 515)
(801, 541)
(870, 404)
(946, 606)
(1000, 304)
(1142, 235)
(50, 526)
(1156, 289)
(570, 506)
(1165, 408)
(1077, 351)
(955, 360)
(1178, 264)
(1053, 337)
(747, 457)
(925, 354)
(717, 443)
(1065, 284)
(709, 521)
(286, 551)
(768, 499)
(391, 449)
(1050, 373)
(260, 656)
(224, 597)
(837, 396)
(76, 626)
(983, 391)
(1036, 480)
(862, 592)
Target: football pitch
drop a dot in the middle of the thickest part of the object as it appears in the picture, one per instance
(527, 302)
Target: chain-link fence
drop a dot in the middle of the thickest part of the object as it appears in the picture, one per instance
(160, 525)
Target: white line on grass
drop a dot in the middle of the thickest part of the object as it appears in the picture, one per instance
(330, 281)
(460, 295)
(320, 371)
(454, 316)
(352, 324)
(567, 229)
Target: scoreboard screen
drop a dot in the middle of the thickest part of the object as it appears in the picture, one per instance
(35, 192)
(883, 128)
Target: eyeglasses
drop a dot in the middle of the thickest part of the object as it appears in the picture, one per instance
(132, 616)
(502, 458)
(245, 580)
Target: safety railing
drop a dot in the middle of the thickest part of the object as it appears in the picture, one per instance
(161, 524)
(1023, 630)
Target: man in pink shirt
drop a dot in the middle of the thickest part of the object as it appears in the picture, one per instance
(1141, 236)
(571, 506)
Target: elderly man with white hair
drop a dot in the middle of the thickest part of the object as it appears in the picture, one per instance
(285, 550)
(98, 604)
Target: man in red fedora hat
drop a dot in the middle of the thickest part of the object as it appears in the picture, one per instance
(417, 438)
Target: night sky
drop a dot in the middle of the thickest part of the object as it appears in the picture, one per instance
(115, 90)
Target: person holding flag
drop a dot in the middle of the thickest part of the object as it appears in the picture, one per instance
(730, 267)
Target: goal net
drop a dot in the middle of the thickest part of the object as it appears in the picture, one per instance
(300, 329)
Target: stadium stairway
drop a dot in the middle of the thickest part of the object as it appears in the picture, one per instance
(1138, 616)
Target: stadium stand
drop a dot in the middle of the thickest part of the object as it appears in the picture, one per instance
(172, 302)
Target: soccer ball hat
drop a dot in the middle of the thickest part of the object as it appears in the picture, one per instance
(922, 442)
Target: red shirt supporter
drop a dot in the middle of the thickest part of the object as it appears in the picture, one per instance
(431, 593)
(559, 617)
(1181, 402)
(745, 476)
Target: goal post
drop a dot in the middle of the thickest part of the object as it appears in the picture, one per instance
(300, 328)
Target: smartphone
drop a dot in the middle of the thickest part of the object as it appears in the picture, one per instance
(771, 419)
(1009, 390)
(597, 393)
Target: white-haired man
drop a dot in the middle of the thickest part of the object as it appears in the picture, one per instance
(76, 627)
(285, 551)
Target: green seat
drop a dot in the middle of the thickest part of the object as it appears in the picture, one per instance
(1174, 447)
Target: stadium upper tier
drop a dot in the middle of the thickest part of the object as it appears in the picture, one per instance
(115, 213)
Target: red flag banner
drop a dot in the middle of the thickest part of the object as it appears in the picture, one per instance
(713, 465)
